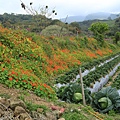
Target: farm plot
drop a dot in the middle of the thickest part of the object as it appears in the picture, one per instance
(116, 82)
(93, 71)
(93, 80)
(103, 99)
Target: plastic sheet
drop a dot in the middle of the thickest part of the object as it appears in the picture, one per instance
(86, 72)
(119, 92)
(98, 85)
(101, 64)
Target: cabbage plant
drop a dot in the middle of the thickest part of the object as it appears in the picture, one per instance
(72, 93)
(106, 99)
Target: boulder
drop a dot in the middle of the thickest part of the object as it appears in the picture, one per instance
(51, 116)
(24, 116)
(15, 103)
(18, 110)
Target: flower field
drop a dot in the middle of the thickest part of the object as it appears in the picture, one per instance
(30, 61)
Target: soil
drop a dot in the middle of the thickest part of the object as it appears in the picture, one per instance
(27, 95)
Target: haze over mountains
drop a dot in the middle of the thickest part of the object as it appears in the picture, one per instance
(92, 16)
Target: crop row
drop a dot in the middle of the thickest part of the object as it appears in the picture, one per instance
(71, 75)
(101, 71)
(116, 82)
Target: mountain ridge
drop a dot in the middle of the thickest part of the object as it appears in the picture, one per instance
(92, 16)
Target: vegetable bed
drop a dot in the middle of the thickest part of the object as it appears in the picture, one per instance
(71, 75)
(116, 82)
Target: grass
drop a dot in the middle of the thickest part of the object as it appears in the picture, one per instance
(5, 95)
(34, 107)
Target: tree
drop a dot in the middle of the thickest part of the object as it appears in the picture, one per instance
(99, 29)
(117, 37)
(41, 16)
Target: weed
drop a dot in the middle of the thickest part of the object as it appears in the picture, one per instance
(34, 107)
(5, 95)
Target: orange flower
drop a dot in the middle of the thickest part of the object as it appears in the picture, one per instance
(110, 51)
(33, 84)
(25, 81)
(0, 44)
(10, 78)
(3, 69)
(65, 50)
(40, 88)
(44, 85)
(16, 80)
(90, 54)
(13, 72)
(50, 62)
(99, 52)
(78, 62)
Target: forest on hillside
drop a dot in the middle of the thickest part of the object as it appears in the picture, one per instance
(28, 22)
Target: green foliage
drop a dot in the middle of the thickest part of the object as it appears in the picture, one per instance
(111, 113)
(106, 99)
(54, 30)
(68, 93)
(74, 116)
(99, 30)
(116, 26)
(117, 37)
(76, 25)
(5, 95)
(45, 91)
(33, 107)
(116, 82)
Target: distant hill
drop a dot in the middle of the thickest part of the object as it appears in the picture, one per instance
(73, 19)
(93, 16)
(100, 16)
(113, 16)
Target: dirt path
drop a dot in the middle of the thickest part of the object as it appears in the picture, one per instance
(26, 95)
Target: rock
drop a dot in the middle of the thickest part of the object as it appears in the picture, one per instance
(38, 116)
(14, 103)
(18, 110)
(24, 116)
(57, 113)
(1, 112)
(61, 119)
(34, 114)
(4, 101)
(51, 116)
(40, 110)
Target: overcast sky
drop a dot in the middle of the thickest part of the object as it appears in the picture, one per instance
(63, 7)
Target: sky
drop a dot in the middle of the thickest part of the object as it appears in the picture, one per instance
(63, 7)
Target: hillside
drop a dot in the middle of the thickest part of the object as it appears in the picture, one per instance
(42, 58)
(36, 63)
(32, 23)
(99, 16)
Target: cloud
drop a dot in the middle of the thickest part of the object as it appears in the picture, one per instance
(63, 7)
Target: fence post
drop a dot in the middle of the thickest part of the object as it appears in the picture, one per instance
(82, 87)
